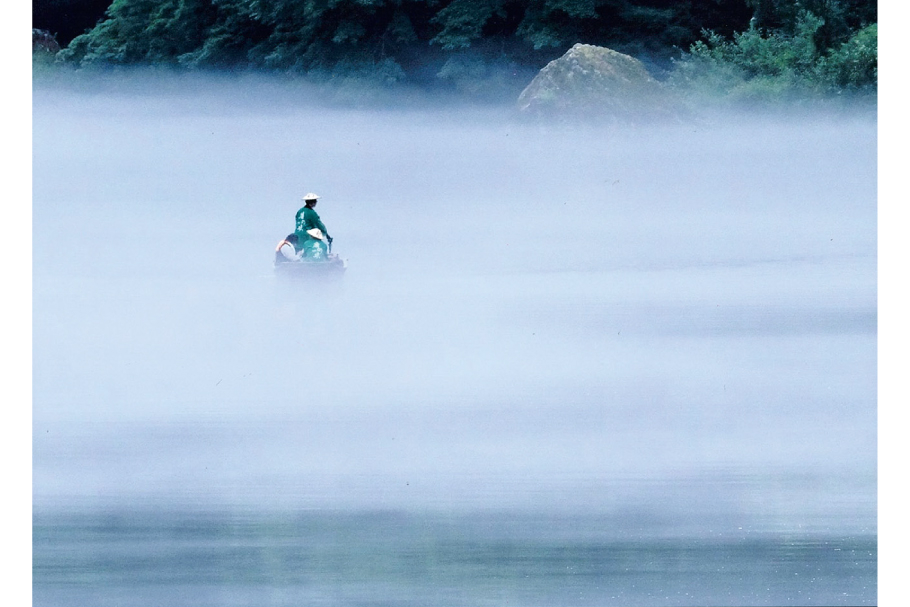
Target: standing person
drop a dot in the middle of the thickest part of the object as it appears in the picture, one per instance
(310, 230)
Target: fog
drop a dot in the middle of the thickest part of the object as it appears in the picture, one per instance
(538, 316)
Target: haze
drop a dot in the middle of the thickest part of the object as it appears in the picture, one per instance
(534, 316)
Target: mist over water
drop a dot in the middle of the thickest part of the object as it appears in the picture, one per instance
(670, 325)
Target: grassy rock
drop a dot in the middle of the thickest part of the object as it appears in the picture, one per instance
(597, 82)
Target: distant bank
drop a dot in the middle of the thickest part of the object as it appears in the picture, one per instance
(744, 51)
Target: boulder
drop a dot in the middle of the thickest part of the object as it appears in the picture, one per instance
(43, 41)
(597, 82)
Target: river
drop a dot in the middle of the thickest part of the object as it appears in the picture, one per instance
(567, 364)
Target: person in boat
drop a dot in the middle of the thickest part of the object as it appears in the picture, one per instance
(312, 236)
(288, 251)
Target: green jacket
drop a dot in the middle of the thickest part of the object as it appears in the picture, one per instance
(307, 219)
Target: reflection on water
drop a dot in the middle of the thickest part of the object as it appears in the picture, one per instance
(565, 366)
(388, 558)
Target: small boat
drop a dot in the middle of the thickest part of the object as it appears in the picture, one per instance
(331, 266)
(311, 261)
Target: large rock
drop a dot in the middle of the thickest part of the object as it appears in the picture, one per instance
(598, 82)
(44, 41)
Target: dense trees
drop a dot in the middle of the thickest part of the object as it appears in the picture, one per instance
(311, 34)
(393, 40)
(787, 53)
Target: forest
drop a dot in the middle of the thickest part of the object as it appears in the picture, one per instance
(751, 49)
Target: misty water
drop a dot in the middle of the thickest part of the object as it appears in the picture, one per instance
(567, 365)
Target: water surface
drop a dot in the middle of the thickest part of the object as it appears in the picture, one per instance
(567, 365)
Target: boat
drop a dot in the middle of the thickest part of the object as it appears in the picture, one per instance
(331, 267)
(315, 262)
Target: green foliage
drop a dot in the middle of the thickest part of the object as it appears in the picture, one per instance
(839, 18)
(555, 23)
(469, 45)
(305, 35)
(757, 66)
(775, 54)
(462, 22)
(143, 31)
(854, 66)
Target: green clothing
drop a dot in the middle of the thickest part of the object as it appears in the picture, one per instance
(307, 219)
(314, 250)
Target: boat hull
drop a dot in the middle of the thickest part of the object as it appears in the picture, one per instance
(332, 268)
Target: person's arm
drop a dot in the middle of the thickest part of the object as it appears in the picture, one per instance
(311, 220)
(318, 223)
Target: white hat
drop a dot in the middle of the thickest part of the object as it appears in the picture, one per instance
(310, 196)
(315, 233)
